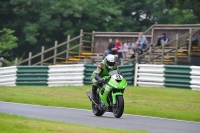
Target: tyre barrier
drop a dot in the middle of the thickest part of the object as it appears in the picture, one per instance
(63, 75)
(168, 76)
(127, 72)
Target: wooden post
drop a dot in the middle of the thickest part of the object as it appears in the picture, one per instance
(16, 61)
(92, 61)
(136, 73)
(84, 61)
(68, 46)
(163, 50)
(29, 58)
(92, 44)
(136, 57)
(153, 60)
(122, 61)
(80, 43)
(150, 55)
(42, 55)
(152, 35)
(55, 52)
(176, 49)
(190, 42)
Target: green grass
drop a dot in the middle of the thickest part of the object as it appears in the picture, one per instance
(172, 103)
(19, 124)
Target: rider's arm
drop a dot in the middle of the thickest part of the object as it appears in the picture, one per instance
(97, 73)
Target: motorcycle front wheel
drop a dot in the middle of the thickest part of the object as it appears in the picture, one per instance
(118, 108)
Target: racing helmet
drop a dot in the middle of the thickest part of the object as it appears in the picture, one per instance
(110, 61)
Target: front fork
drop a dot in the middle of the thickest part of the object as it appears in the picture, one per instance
(114, 96)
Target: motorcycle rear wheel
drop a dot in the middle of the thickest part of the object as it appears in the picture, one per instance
(118, 108)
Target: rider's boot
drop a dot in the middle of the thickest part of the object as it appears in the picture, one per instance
(94, 93)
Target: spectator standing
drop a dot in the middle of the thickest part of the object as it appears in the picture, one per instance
(111, 45)
(142, 40)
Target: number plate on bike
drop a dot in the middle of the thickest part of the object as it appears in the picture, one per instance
(117, 77)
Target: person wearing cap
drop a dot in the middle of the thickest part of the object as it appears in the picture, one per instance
(161, 39)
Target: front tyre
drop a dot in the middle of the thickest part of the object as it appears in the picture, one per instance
(96, 110)
(118, 108)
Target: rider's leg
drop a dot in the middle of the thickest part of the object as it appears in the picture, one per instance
(94, 92)
(142, 45)
(94, 89)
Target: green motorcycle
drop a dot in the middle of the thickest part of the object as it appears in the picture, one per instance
(110, 95)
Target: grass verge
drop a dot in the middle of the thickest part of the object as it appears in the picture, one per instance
(19, 124)
(160, 102)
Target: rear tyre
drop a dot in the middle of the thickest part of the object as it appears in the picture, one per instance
(96, 110)
(118, 108)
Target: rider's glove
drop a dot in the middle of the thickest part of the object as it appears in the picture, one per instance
(100, 80)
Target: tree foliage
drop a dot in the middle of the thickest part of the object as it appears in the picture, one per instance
(7, 41)
(40, 22)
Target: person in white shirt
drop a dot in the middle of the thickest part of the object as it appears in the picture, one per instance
(142, 40)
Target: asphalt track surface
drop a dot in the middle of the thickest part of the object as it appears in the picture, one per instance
(86, 117)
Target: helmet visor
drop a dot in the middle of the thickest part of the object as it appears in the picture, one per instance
(110, 63)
